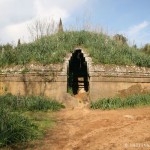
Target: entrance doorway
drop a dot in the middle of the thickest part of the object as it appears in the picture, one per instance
(78, 76)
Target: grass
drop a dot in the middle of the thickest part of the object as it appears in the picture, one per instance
(52, 49)
(42, 119)
(116, 103)
(24, 118)
(15, 128)
(29, 103)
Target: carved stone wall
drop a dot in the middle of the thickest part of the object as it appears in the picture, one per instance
(34, 80)
(51, 80)
(112, 80)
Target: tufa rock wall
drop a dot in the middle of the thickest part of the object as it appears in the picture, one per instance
(112, 80)
(51, 80)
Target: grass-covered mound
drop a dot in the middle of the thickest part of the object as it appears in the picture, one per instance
(53, 49)
(115, 103)
(18, 119)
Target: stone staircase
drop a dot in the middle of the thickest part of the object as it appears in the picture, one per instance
(80, 83)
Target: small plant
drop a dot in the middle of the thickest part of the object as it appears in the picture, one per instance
(25, 70)
(70, 91)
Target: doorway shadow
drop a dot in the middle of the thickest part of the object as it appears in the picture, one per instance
(78, 76)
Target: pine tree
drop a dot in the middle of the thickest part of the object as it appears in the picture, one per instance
(19, 42)
(60, 26)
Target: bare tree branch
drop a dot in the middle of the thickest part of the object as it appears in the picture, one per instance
(41, 27)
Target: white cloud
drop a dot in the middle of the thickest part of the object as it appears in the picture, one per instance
(14, 11)
(137, 28)
(17, 31)
(54, 11)
(138, 34)
(15, 14)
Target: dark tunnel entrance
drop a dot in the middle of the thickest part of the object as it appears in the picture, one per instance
(78, 77)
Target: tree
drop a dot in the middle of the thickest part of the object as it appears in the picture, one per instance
(19, 42)
(41, 27)
(8, 46)
(146, 49)
(134, 46)
(60, 26)
(120, 38)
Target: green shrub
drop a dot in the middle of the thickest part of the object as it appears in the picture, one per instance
(37, 103)
(29, 103)
(146, 49)
(15, 128)
(114, 103)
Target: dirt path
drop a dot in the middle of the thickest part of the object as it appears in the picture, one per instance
(84, 129)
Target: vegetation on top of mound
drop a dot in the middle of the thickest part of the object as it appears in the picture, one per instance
(146, 49)
(52, 49)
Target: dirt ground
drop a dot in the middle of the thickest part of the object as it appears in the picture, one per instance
(85, 129)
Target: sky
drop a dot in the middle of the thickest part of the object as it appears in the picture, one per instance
(127, 17)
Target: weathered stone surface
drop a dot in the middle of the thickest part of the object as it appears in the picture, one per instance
(112, 80)
(31, 68)
(51, 80)
(114, 70)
